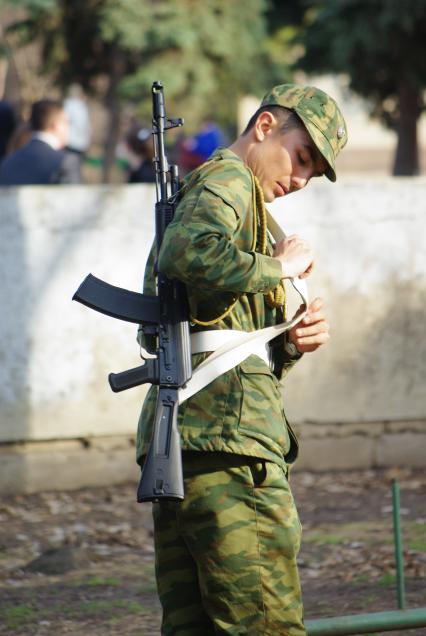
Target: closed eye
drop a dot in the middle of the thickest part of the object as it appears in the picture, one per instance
(313, 157)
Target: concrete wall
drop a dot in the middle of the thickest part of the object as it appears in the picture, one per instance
(370, 242)
(55, 354)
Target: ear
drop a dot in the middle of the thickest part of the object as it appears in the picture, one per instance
(265, 123)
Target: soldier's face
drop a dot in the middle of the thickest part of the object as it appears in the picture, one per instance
(284, 162)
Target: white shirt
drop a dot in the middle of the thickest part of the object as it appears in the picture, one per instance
(78, 117)
(48, 139)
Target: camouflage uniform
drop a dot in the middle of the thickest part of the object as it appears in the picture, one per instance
(226, 556)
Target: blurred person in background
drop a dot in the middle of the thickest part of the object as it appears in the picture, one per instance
(79, 126)
(7, 125)
(197, 149)
(138, 152)
(42, 160)
(20, 136)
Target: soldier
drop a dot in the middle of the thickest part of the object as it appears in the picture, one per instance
(226, 555)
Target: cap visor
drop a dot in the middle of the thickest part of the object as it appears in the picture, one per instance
(322, 145)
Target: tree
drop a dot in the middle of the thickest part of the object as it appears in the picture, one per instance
(284, 23)
(206, 53)
(73, 50)
(380, 45)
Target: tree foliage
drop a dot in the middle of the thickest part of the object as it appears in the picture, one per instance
(380, 45)
(204, 52)
(209, 53)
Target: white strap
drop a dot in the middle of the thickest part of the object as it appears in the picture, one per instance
(230, 355)
(211, 340)
(243, 344)
(203, 341)
(299, 284)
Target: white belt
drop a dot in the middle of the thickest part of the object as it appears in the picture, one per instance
(228, 355)
(204, 341)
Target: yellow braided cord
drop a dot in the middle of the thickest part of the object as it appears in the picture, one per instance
(276, 297)
(259, 206)
(255, 212)
(209, 323)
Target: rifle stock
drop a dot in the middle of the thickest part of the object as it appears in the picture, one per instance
(162, 471)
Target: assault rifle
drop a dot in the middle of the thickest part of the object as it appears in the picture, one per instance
(166, 317)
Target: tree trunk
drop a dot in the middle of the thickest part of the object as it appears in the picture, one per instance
(12, 87)
(113, 104)
(407, 156)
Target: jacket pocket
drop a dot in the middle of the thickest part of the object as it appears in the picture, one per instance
(202, 415)
(261, 410)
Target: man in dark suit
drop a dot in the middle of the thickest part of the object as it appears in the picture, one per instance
(7, 125)
(42, 160)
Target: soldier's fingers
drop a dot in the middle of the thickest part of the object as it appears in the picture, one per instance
(316, 316)
(307, 272)
(317, 339)
(316, 305)
(318, 327)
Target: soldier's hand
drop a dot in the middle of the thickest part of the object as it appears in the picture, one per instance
(295, 255)
(313, 331)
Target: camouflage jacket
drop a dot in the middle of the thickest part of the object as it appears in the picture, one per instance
(209, 246)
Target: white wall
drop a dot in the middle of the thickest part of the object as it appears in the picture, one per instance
(370, 238)
(55, 354)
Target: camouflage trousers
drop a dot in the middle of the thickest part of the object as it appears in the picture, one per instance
(226, 555)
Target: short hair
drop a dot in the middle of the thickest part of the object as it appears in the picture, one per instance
(44, 113)
(287, 119)
(139, 140)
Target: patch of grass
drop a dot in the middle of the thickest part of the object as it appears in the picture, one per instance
(417, 537)
(362, 578)
(370, 600)
(115, 620)
(324, 538)
(96, 606)
(387, 580)
(418, 546)
(149, 587)
(367, 532)
(98, 581)
(18, 615)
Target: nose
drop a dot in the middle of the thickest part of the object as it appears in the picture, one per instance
(298, 181)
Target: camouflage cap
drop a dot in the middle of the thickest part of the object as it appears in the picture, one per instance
(320, 114)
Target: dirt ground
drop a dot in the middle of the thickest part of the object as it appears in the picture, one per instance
(82, 563)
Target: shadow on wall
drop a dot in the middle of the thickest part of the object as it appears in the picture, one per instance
(35, 244)
(374, 367)
(55, 354)
(382, 376)
(15, 343)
